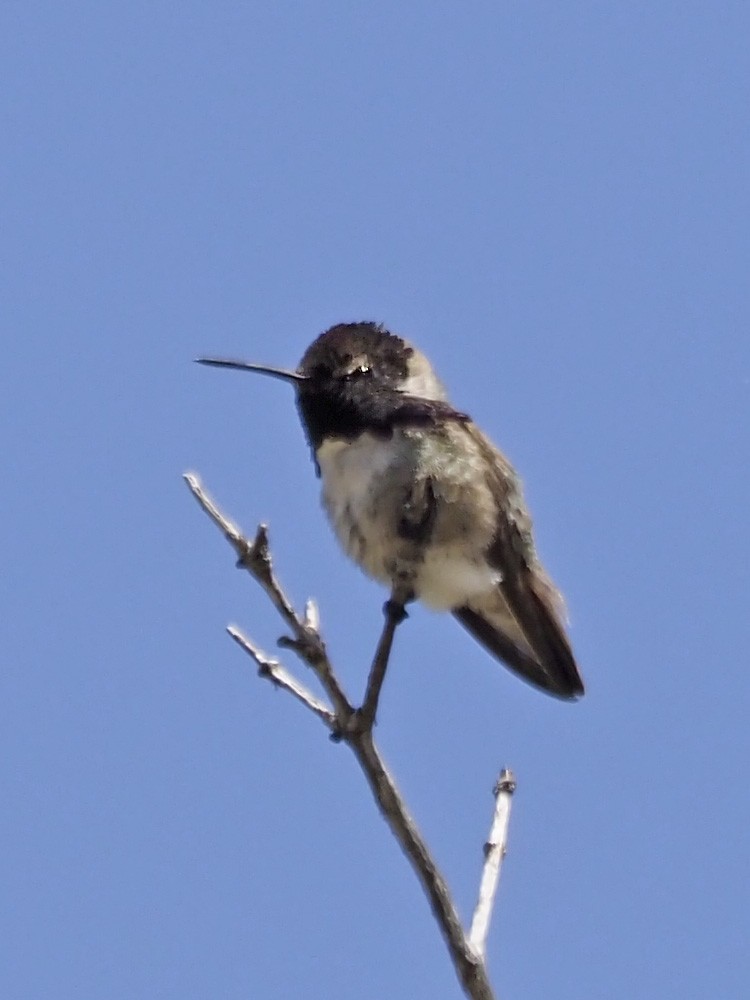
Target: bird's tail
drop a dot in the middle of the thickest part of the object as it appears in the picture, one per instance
(521, 623)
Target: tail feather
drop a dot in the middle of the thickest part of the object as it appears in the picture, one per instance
(520, 625)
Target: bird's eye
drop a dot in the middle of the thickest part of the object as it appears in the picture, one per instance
(359, 371)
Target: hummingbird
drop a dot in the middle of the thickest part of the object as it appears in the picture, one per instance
(423, 501)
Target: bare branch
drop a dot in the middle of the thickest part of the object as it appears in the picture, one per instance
(280, 677)
(469, 966)
(253, 557)
(355, 729)
(256, 559)
(494, 852)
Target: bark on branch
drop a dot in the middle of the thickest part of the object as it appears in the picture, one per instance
(354, 727)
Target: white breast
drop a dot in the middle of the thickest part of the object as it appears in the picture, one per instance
(351, 470)
(354, 475)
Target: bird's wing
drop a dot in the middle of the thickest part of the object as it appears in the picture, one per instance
(523, 622)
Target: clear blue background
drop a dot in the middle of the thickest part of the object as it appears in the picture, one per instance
(551, 199)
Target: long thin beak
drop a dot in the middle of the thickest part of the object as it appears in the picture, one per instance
(245, 366)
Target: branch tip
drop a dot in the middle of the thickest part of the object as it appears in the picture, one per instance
(494, 850)
(506, 782)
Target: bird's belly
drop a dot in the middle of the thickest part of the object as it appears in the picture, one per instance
(364, 485)
(449, 578)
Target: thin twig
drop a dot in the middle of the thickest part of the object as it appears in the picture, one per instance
(280, 677)
(494, 852)
(256, 559)
(394, 614)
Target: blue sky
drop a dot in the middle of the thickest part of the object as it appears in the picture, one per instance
(552, 201)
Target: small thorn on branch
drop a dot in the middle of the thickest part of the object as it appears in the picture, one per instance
(307, 645)
(255, 556)
(312, 615)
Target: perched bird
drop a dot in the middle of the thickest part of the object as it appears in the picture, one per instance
(422, 501)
